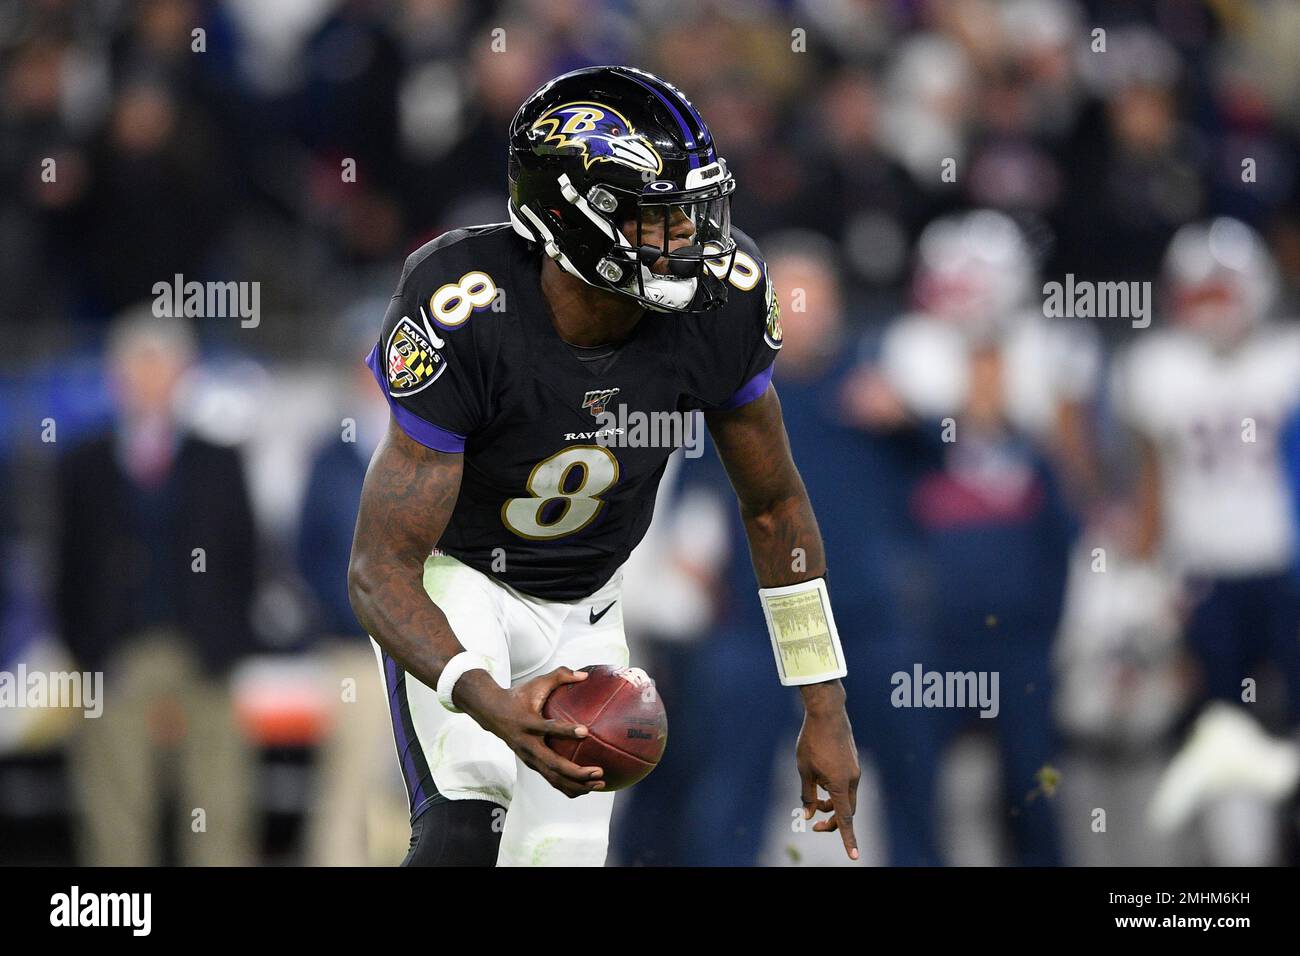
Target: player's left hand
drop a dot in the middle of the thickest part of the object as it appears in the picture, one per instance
(827, 757)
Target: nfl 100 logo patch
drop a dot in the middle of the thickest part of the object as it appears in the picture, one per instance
(596, 400)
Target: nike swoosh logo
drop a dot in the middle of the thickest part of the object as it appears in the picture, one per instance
(593, 617)
(434, 340)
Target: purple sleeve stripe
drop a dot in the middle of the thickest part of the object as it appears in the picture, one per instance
(417, 429)
(751, 390)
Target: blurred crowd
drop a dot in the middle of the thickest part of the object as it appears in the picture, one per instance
(1101, 512)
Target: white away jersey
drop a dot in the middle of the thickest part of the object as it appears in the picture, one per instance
(1045, 363)
(1214, 418)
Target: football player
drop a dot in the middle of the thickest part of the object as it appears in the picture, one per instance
(618, 281)
(975, 283)
(1207, 398)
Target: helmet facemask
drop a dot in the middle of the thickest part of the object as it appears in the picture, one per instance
(650, 265)
(681, 242)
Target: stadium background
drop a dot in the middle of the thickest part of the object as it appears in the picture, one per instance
(836, 117)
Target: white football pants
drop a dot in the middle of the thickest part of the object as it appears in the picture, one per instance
(524, 637)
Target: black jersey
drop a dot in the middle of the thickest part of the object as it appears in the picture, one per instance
(470, 362)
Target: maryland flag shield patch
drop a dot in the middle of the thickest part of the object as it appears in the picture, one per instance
(412, 362)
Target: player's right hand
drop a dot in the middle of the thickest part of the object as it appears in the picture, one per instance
(515, 715)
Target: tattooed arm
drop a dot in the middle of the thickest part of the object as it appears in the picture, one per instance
(778, 518)
(773, 503)
(406, 502)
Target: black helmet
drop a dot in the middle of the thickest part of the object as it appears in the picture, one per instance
(599, 147)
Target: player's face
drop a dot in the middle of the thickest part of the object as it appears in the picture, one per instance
(655, 222)
(1213, 309)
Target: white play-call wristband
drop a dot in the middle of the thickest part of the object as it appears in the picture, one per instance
(455, 669)
(804, 639)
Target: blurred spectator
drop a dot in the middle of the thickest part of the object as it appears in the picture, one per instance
(155, 182)
(354, 759)
(1136, 167)
(157, 561)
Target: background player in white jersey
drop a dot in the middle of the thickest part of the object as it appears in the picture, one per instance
(974, 285)
(621, 285)
(1207, 396)
(989, 396)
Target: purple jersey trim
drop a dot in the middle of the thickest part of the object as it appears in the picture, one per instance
(751, 390)
(417, 429)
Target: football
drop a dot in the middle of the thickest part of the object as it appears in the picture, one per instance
(628, 726)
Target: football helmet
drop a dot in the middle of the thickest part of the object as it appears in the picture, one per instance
(598, 148)
(974, 269)
(1220, 278)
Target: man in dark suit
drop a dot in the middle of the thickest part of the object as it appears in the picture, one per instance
(156, 572)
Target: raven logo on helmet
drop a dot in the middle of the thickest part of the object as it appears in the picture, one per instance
(604, 135)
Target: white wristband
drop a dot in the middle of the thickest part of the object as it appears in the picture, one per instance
(804, 639)
(455, 669)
